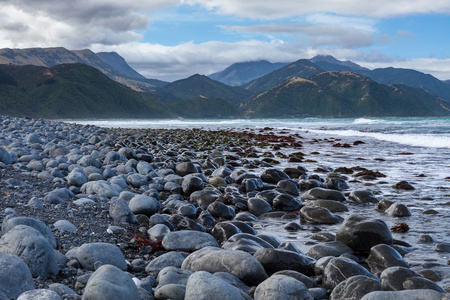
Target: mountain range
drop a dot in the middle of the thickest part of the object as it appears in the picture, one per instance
(59, 83)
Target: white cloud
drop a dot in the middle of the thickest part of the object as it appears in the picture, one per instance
(266, 9)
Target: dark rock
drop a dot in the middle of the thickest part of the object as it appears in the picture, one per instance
(224, 230)
(308, 184)
(339, 269)
(273, 176)
(282, 287)
(362, 196)
(362, 234)
(286, 202)
(325, 194)
(239, 263)
(204, 286)
(109, 282)
(220, 210)
(245, 242)
(383, 256)
(332, 248)
(318, 215)
(274, 260)
(355, 288)
(401, 278)
(398, 210)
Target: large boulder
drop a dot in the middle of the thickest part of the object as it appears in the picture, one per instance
(89, 254)
(109, 282)
(188, 240)
(273, 176)
(100, 187)
(145, 205)
(401, 278)
(31, 246)
(325, 194)
(274, 260)
(5, 157)
(355, 288)
(41, 294)
(339, 269)
(282, 287)
(362, 234)
(239, 263)
(245, 242)
(204, 286)
(383, 256)
(318, 215)
(10, 222)
(169, 259)
(423, 294)
(15, 277)
(120, 211)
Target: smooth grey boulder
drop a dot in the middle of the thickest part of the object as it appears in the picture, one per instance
(41, 294)
(172, 275)
(333, 248)
(89, 160)
(362, 196)
(169, 259)
(222, 231)
(172, 291)
(299, 276)
(31, 246)
(89, 254)
(157, 232)
(114, 156)
(362, 234)
(144, 168)
(220, 210)
(137, 180)
(252, 184)
(61, 289)
(274, 260)
(401, 278)
(331, 205)
(289, 186)
(336, 183)
(238, 263)
(324, 194)
(145, 205)
(191, 183)
(398, 210)
(245, 242)
(355, 287)
(100, 187)
(5, 157)
(10, 222)
(274, 176)
(188, 240)
(318, 215)
(65, 226)
(383, 256)
(15, 277)
(205, 286)
(120, 211)
(282, 287)
(185, 168)
(258, 206)
(233, 280)
(77, 177)
(109, 282)
(339, 269)
(205, 197)
(286, 202)
(404, 295)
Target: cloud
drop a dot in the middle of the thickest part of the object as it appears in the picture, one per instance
(316, 35)
(74, 24)
(287, 8)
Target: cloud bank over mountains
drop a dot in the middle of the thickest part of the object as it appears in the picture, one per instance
(172, 39)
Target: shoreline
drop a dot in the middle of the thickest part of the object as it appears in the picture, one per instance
(169, 161)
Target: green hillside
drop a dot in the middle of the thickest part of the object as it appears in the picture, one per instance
(343, 94)
(300, 68)
(71, 91)
(200, 85)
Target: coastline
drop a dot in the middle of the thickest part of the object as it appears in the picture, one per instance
(250, 150)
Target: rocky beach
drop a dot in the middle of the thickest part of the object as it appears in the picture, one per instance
(110, 213)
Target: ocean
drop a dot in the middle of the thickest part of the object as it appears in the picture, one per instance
(416, 150)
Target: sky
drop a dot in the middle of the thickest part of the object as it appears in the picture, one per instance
(174, 39)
